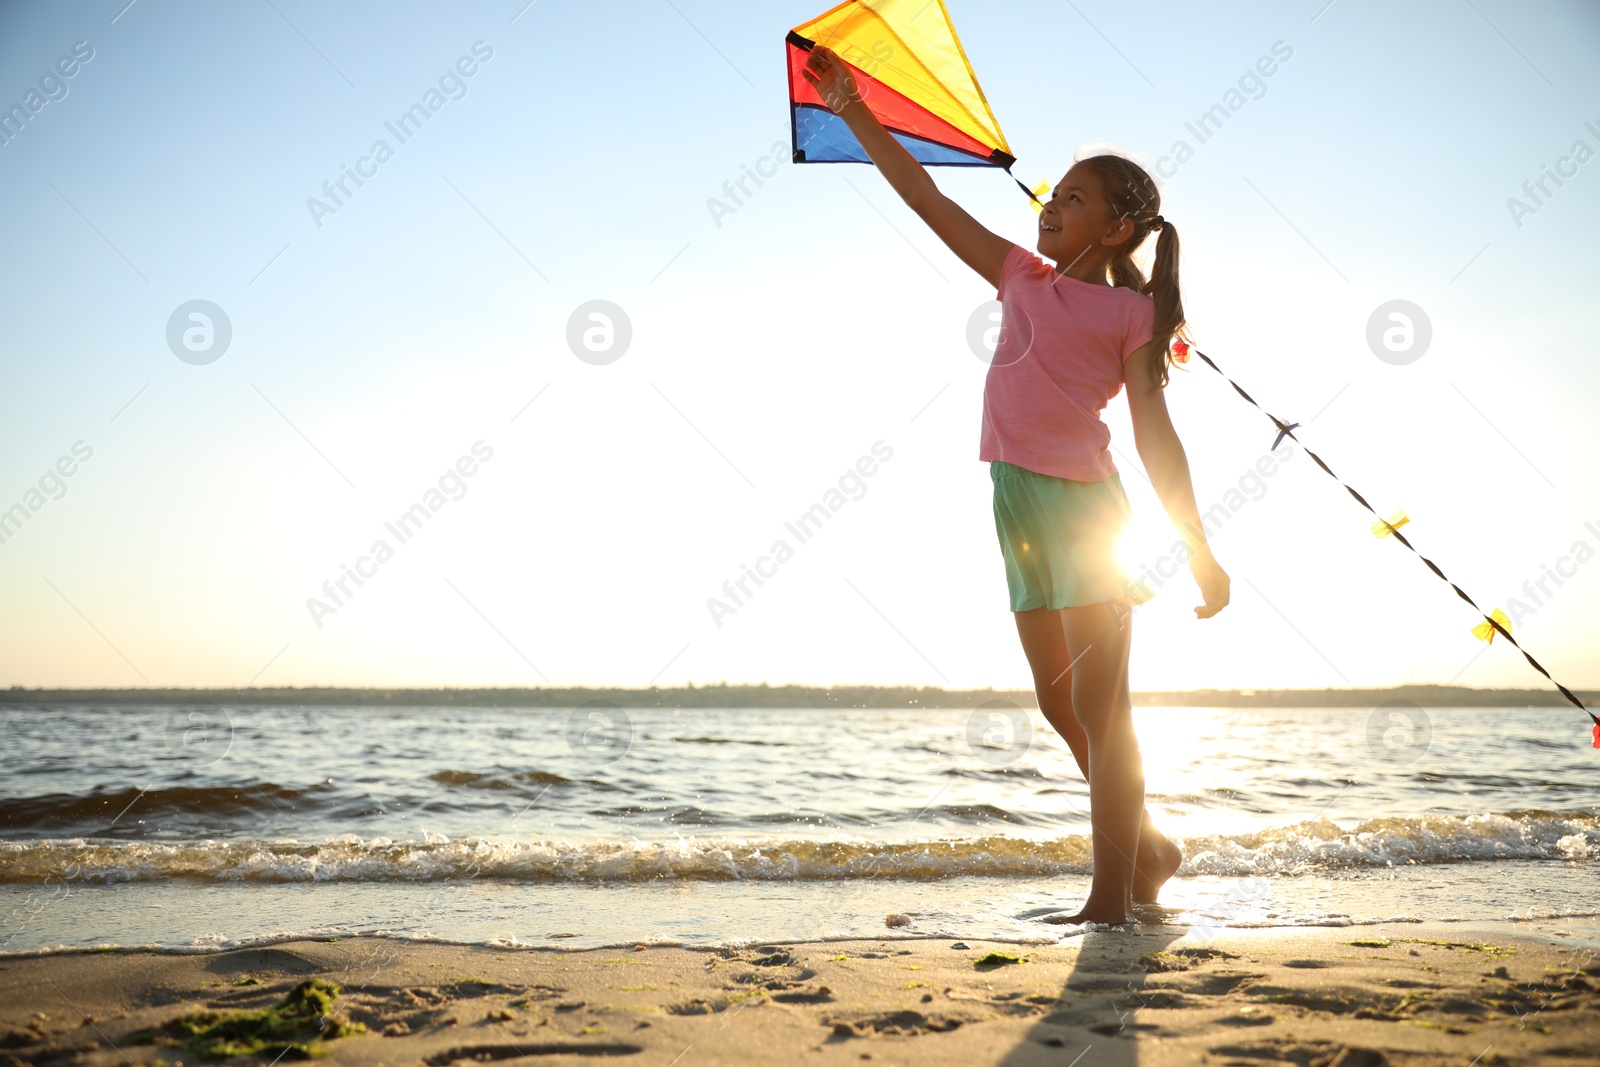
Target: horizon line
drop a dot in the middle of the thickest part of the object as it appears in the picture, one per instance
(763, 694)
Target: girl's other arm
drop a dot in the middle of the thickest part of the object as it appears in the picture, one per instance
(983, 251)
(1168, 467)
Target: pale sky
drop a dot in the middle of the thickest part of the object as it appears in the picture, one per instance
(772, 345)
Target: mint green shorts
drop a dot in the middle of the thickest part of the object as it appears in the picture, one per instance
(1059, 539)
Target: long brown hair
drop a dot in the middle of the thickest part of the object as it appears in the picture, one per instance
(1133, 195)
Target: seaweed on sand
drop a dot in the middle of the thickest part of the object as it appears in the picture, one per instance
(998, 959)
(297, 1026)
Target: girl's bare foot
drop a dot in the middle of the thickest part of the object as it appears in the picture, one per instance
(1098, 916)
(1157, 861)
(1086, 917)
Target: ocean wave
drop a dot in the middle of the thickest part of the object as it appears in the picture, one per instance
(1304, 847)
(483, 780)
(729, 741)
(68, 810)
(1395, 842)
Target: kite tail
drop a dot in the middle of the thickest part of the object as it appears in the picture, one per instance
(1024, 188)
(1286, 430)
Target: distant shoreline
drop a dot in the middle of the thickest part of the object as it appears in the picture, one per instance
(785, 696)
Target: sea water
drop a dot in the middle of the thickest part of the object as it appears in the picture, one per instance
(196, 828)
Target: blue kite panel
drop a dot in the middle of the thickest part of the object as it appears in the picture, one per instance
(826, 138)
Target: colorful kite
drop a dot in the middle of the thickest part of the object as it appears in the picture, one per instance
(912, 74)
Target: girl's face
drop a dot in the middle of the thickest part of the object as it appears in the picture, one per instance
(1076, 220)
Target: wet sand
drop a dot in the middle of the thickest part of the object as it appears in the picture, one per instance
(1403, 993)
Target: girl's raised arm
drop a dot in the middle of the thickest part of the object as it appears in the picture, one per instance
(983, 251)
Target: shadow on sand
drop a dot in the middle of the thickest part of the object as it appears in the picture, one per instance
(1096, 1017)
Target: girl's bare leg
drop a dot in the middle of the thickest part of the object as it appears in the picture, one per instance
(1098, 637)
(1044, 641)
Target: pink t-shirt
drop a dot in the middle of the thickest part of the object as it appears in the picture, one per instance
(1058, 362)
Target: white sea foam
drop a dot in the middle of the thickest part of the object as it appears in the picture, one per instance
(1305, 847)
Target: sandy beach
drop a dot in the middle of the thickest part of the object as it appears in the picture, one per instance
(1397, 993)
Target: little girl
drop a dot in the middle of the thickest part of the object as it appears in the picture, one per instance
(1071, 337)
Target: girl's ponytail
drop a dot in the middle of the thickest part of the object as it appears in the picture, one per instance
(1163, 289)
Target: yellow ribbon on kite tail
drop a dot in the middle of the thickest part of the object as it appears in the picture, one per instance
(1038, 191)
(1496, 623)
(1385, 527)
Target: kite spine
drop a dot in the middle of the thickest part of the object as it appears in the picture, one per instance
(1285, 430)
